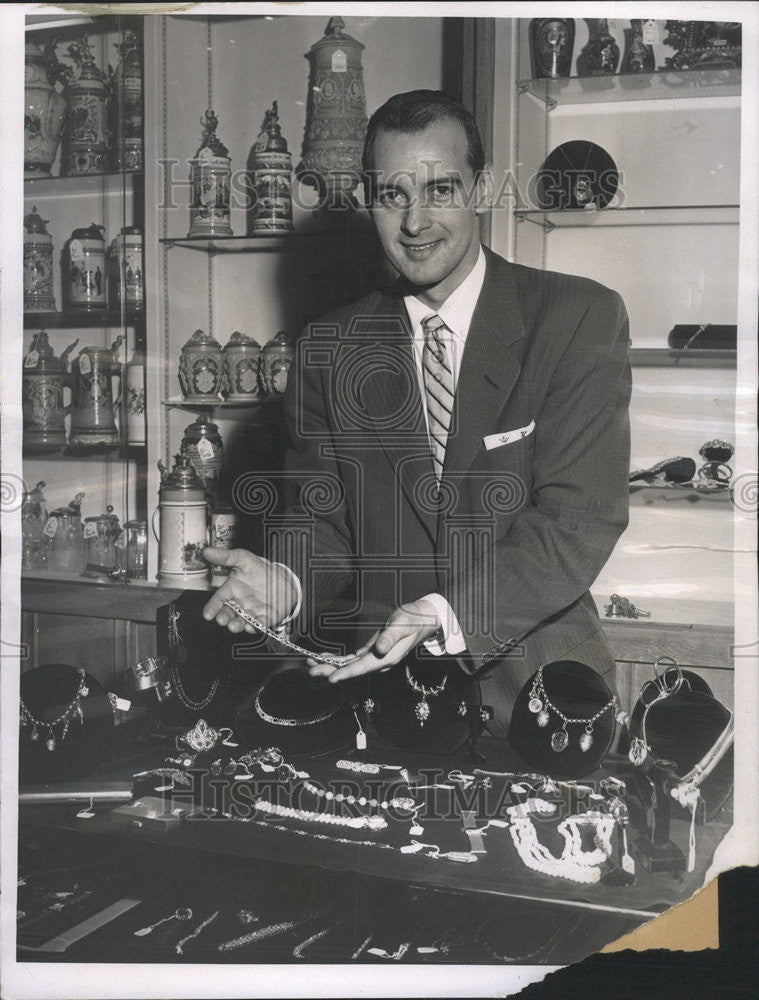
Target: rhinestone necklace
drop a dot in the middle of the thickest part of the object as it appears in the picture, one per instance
(279, 636)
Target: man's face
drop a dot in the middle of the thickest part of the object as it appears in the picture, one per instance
(426, 205)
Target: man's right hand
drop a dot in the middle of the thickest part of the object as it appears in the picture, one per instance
(262, 588)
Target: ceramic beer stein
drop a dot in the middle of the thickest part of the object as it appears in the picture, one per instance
(38, 265)
(127, 106)
(276, 360)
(183, 530)
(201, 373)
(241, 358)
(203, 446)
(43, 381)
(85, 140)
(210, 172)
(84, 270)
(93, 421)
(45, 108)
(272, 179)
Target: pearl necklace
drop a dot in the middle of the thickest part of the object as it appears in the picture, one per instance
(306, 815)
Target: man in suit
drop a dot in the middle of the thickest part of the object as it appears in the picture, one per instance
(469, 430)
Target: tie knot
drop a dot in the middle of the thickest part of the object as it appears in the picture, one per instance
(431, 326)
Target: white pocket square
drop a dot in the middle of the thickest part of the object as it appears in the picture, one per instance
(507, 437)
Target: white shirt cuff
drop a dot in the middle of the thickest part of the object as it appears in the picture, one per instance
(299, 599)
(453, 641)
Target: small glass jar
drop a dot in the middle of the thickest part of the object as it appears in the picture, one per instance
(33, 518)
(134, 549)
(63, 546)
(101, 533)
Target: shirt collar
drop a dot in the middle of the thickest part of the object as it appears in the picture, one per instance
(457, 310)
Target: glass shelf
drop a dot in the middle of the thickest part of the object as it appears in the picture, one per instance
(647, 215)
(252, 244)
(80, 321)
(87, 184)
(660, 357)
(180, 403)
(646, 495)
(662, 85)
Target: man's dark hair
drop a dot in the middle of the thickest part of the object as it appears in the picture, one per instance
(414, 112)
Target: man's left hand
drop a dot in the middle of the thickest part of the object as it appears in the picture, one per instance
(406, 627)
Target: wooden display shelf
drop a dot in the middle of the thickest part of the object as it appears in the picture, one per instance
(660, 85)
(71, 320)
(133, 600)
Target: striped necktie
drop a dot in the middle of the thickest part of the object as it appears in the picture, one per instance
(438, 388)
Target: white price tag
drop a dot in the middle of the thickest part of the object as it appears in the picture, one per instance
(90, 529)
(31, 359)
(205, 449)
(85, 365)
(651, 32)
(339, 61)
(76, 251)
(51, 526)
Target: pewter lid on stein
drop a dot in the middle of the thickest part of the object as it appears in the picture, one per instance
(210, 140)
(73, 508)
(201, 427)
(279, 343)
(34, 223)
(241, 340)
(276, 142)
(201, 339)
(108, 518)
(46, 355)
(182, 477)
(36, 495)
(334, 33)
(91, 232)
(80, 52)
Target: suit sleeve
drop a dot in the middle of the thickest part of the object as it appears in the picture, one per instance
(314, 537)
(578, 504)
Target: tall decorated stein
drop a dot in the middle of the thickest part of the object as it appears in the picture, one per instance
(127, 284)
(241, 358)
(336, 117)
(93, 423)
(183, 528)
(126, 87)
(43, 381)
(85, 140)
(45, 108)
(38, 265)
(84, 270)
(201, 372)
(272, 179)
(134, 398)
(210, 172)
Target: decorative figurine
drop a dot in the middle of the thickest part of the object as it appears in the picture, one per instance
(84, 269)
(201, 374)
(134, 387)
(241, 359)
(126, 90)
(85, 139)
(639, 57)
(38, 265)
(552, 41)
(93, 423)
(336, 118)
(182, 533)
(276, 360)
(43, 381)
(210, 172)
(204, 447)
(126, 270)
(600, 57)
(703, 44)
(272, 179)
(45, 108)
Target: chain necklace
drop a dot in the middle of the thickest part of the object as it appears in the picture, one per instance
(422, 708)
(71, 711)
(175, 644)
(279, 636)
(275, 721)
(540, 704)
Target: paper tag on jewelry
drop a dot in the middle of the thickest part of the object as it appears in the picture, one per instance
(90, 529)
(651, 32)
(85, 365)
(30, 361)
(339, 61)
(205, 449)
(51, 526)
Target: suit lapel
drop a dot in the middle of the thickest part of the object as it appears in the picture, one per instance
(390, 393)
(490, 365)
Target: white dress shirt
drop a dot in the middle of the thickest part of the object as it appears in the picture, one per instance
(456, 312)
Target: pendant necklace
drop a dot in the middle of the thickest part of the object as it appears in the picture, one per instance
(422, 708)
(541, 706)
(71, 711)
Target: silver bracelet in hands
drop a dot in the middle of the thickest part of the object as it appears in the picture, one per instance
(279, 636)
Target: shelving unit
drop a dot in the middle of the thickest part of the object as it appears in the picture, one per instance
(657, 86)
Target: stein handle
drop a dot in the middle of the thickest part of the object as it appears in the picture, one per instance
(156, 532)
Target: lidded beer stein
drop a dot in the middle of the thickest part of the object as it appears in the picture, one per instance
(183, 526)
(43, 380)
(101, 534)
(336, 116)
(126, 270)
(93, 421)
(84, 269)
(210, 171)
(62, 550)
(127, 105)
(134, 389)
(133, 544)
(272, 179)
(241, 356)
(33, 519)
(38, 265)
(45, 108)
(201, 373)
(203, 446)
(85, 140)
(276, 361)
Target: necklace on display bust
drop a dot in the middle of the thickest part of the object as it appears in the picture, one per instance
(64, 719)
(541, 705)
(422, 708)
